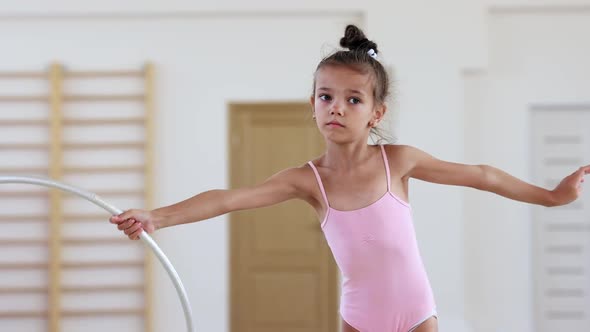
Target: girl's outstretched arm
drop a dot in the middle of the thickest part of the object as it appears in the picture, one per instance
(276, 189)
(423, 166)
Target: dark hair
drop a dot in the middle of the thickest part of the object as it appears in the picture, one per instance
(357, 57)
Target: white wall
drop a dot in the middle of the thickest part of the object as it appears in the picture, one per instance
(429, 43)
(203, 62)
(536, 57)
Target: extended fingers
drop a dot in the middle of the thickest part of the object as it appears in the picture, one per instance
(581, 172)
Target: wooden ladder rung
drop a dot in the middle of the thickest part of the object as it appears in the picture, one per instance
(91, 241)
(98, 146)
(74, 146)
(71, 241)
(102, 74)
(70, 289)
(90, 217)
(104, 98)
(23, 146)
(36, 193)
(104, 312)
(119, 193)
(103, 264)
(22, 290)
(23, 99)
(23, 74)
(103, 288)
(22, 266)
(23, 218)
(22, 193)
(24, 170)
(73, 122)
(22, 314)
(23, 242)
(6, 218)
(23, 122)
(105, 121)
(111, 169)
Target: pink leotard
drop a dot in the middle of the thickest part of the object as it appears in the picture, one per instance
(384, 284)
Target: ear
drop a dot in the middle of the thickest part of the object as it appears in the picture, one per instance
(378, 113)
(311, 102)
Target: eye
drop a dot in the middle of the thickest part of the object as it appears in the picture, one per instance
(325, 97)
(354, 100)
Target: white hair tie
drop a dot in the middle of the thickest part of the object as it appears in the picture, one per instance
(372, 54)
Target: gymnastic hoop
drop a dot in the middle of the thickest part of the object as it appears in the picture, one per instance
(93, 198)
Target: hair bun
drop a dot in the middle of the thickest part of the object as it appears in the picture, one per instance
(354, 39)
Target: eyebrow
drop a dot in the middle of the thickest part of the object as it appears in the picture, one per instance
(349, 90)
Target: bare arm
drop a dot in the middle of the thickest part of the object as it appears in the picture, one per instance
(276, 189)
(484, 177)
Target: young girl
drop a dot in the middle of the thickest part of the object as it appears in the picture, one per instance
(360, 193)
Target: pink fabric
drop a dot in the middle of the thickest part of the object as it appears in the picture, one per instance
(385, 287)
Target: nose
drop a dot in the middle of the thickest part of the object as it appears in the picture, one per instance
(336, 109)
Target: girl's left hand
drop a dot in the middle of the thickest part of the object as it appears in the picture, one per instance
(570, 188)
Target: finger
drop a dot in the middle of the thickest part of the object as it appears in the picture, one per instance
(133, 228)
(126, 224)
(126, 215)
(130, 223)
(579, 173)
(122, 217)
(135, 235)
(122, 226)
(583, 169)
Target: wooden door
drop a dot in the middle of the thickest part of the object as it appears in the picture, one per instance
(283, 277)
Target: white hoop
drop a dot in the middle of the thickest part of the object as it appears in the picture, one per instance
(144, 236)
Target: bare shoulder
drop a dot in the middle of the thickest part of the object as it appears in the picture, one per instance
(401, 149)
(303, 180)
(402, 158)
(421, 165)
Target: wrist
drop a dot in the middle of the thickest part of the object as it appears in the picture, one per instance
(551, 199)
(159, 219)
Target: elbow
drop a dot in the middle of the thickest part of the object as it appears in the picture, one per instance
(486, 178)
(226, 203)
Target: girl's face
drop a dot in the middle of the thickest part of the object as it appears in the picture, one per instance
(343, 104)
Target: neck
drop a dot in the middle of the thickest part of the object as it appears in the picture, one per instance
(346, 156)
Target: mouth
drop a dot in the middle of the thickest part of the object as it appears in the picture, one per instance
(334, 124)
